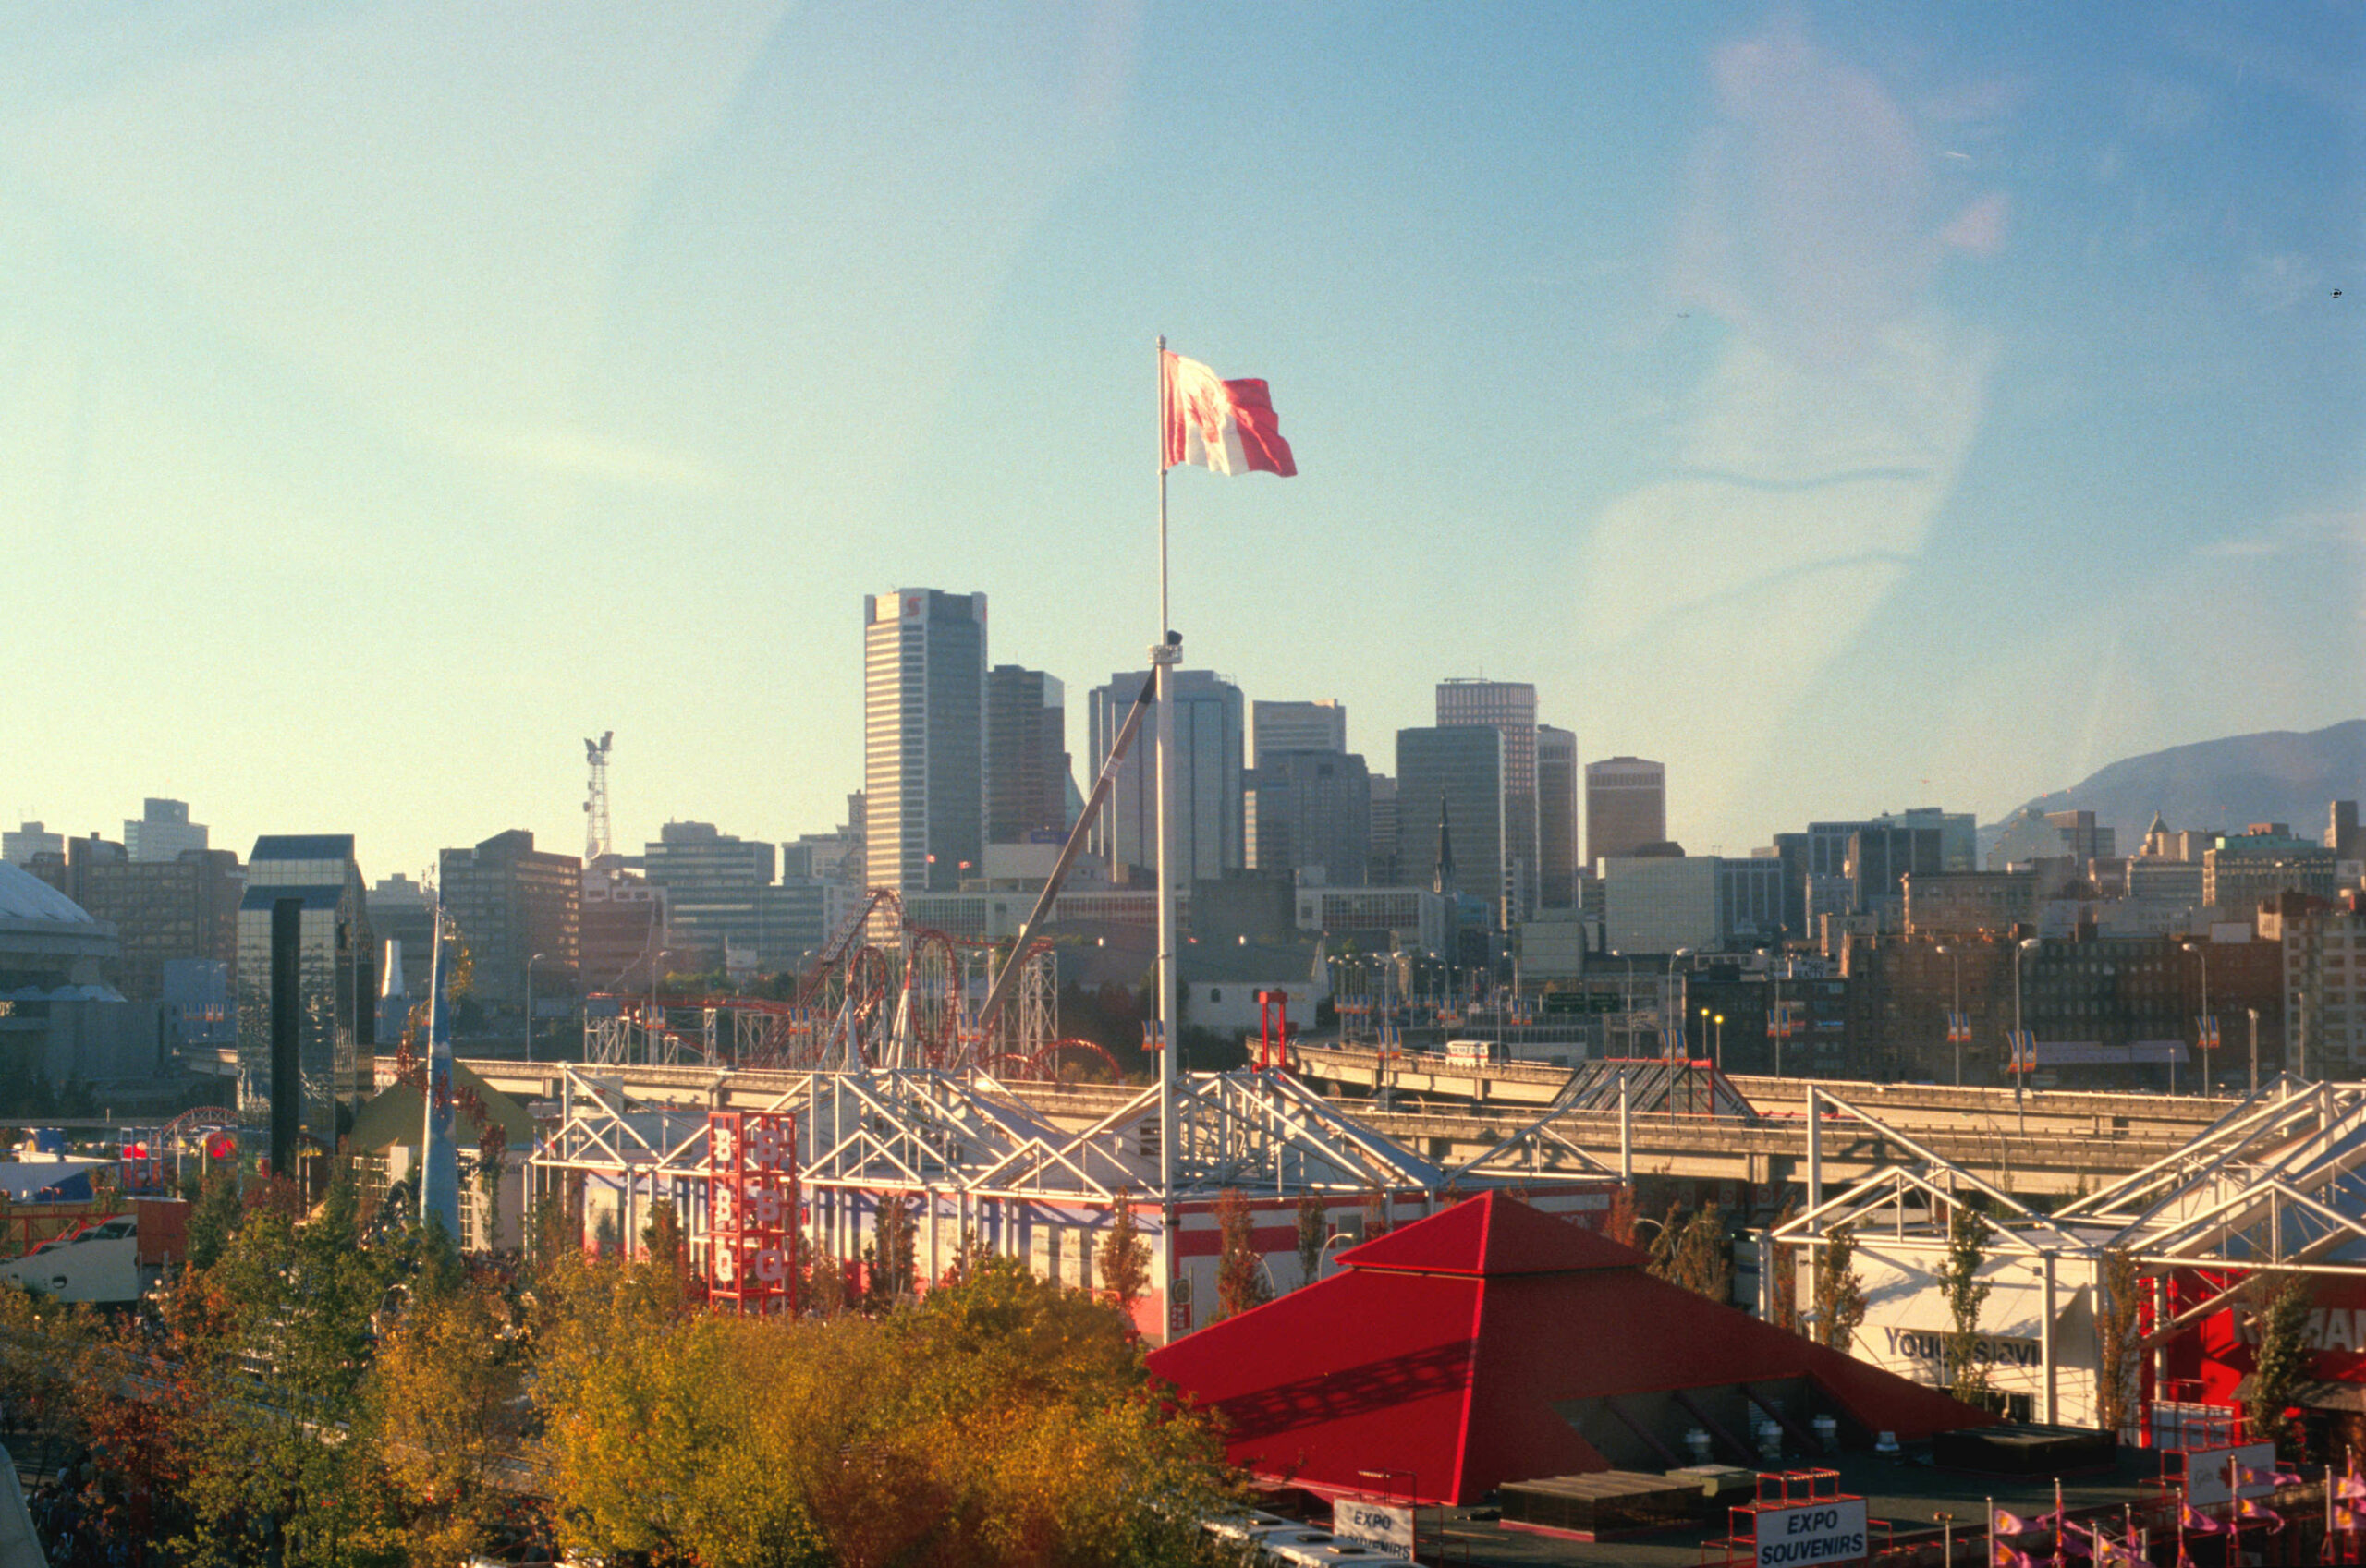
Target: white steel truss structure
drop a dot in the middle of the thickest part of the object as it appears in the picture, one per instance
(2278, 1182)
(968, 1136)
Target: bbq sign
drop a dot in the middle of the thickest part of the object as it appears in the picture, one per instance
(1832, 1530)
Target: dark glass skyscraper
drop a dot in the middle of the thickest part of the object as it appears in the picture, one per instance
(1458, 769)
(308, 988)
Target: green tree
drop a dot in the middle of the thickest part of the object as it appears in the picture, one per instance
(1965, 1291)
(2279, 1302)
(214, 1219)
(295, 1298)
(1839, 1290)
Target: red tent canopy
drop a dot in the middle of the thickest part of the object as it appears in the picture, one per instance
(1433, 1363)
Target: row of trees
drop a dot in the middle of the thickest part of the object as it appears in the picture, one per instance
(322, 1389)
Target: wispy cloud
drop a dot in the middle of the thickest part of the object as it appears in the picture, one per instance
(563, 451)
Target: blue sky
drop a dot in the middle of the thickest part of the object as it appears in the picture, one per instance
(1853, 408)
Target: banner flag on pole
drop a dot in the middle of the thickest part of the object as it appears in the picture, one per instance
(1227, 427)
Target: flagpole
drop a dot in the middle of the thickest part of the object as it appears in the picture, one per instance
(1162, 657)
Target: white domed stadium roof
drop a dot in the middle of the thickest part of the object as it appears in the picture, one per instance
(24, 896)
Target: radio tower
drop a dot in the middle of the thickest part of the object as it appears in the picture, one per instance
(596, 832)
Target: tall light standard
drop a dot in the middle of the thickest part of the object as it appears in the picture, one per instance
(2205, 1030)
(1721, 1044)
(655, 1024)
(1625, 998)
(530, 1003)
(1672, 1009)
(1955, 1014)
(2254, 1016)
(2021, 1068)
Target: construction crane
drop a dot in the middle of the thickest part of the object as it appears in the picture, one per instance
(596, 834)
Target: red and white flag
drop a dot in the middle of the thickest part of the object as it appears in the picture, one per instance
(1226, 426)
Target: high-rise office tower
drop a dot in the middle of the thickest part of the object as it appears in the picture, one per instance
(1625, 806)
(1210, 829)
(1310, 817)
(1318, 725)
(161, 832)
(19, 846)
(308, 988)
(1456, 772)
(1556, 817)
(1027, 756)
(516, 908)
(1508, 708)
(923, 738)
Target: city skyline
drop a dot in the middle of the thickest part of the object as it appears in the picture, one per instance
(1854, 414)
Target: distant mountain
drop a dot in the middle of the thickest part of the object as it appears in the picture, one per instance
(2276, 776)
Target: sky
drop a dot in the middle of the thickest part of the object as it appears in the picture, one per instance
(1853, 408)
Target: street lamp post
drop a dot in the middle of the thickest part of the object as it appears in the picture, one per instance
(1721, 1042)
(2254, 1016)
(2202, 1025)
(2021, 1068)
(654, 1024)
(530, 1003)
(1955, 1032)
(1672, 1008)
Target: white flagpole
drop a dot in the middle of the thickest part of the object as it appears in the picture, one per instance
(1163, 660)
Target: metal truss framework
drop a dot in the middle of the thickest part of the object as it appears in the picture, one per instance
(970, 1137)
(2279, 1182)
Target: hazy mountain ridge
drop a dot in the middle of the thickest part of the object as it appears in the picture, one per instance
(2274, 776)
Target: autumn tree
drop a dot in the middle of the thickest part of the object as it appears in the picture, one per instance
(1313, 1231)
(889, 1257)
(441, 1413)
(1696, 1253)
(1839, 1290)
(1123, 1266)
(1619, 1225)
(1965, 1291)
(2119, 1343)
(1001, 1420)
(1241, 1273)
(1780, 1264)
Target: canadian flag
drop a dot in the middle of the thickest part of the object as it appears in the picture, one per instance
(1226, 426)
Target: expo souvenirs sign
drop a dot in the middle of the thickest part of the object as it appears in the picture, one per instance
(1831, 1530)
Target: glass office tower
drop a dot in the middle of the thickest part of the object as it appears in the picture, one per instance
(308, 990)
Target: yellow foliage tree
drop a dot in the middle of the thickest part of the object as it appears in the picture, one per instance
(441, 1410)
